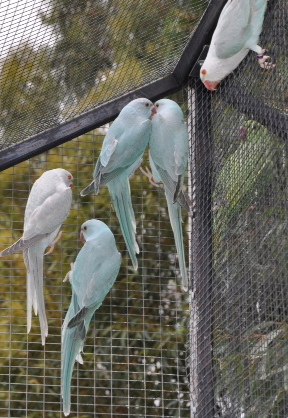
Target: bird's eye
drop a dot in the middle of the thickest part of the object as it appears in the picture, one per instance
(85, 228)
(203, 72)
(157, 105)
(69, 177)
(147, 104)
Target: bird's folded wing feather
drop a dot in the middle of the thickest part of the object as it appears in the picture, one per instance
(94, 287)
(170, 146)
(107, 177)
(166, 179)
(49, 215)
(91, 272)
(107, 151)
(171, 186)
(111, 141)
(132, 141)
(100, 283)
(21, 244)
(232, 30)
(108, 166)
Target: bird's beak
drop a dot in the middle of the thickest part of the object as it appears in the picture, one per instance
(82, 238)
(211, 85)
(71, 186)
(153, 111)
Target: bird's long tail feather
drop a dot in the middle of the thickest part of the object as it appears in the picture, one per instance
(72, 345)
(88, 189)
(174, 210)
(121, 197)
(33, 258)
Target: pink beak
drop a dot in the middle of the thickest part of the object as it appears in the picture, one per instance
(82, 238)
(211, 85)
(153, 111)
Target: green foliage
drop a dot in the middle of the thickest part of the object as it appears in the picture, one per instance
(250, 266)
(102, 49)
(244, 174)
(29, 100)
(83, 46)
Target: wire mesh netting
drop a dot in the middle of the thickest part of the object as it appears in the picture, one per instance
(135, 351)
(60, 58)
(220, 351)
(239, 310)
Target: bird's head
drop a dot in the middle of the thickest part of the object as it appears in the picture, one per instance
(83, 233)
(142, 107)
(207, 81)
(168, 107)
(65, 176)
(90, 229)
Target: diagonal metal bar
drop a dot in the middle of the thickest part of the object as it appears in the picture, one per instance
(82, 124)
(106, 113)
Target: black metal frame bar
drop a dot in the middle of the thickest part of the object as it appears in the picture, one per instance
(103, 114)
(201, 252)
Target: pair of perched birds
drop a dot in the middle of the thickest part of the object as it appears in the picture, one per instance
(139, 123)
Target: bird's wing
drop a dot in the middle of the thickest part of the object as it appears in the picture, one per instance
(49, 215)
(93, 275)
(131, 143)
(107, 151)
(233, 28)
(41, 222)
(111, 143)
(169, 149)
(101, 281)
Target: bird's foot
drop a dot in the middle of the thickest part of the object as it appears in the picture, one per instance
(69, 274)
(265, 61)
(52, 246)
(148, 174)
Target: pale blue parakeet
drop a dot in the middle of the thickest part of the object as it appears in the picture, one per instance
(120, 156)
(238, 30)
(169, 149)
(47, 208)
(92, 276)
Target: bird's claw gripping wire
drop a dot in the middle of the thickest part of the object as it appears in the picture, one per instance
(52, 246)
(149, 175)
(265, 61)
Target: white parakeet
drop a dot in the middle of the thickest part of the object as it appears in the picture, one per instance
(47, 208)
(238, 30)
